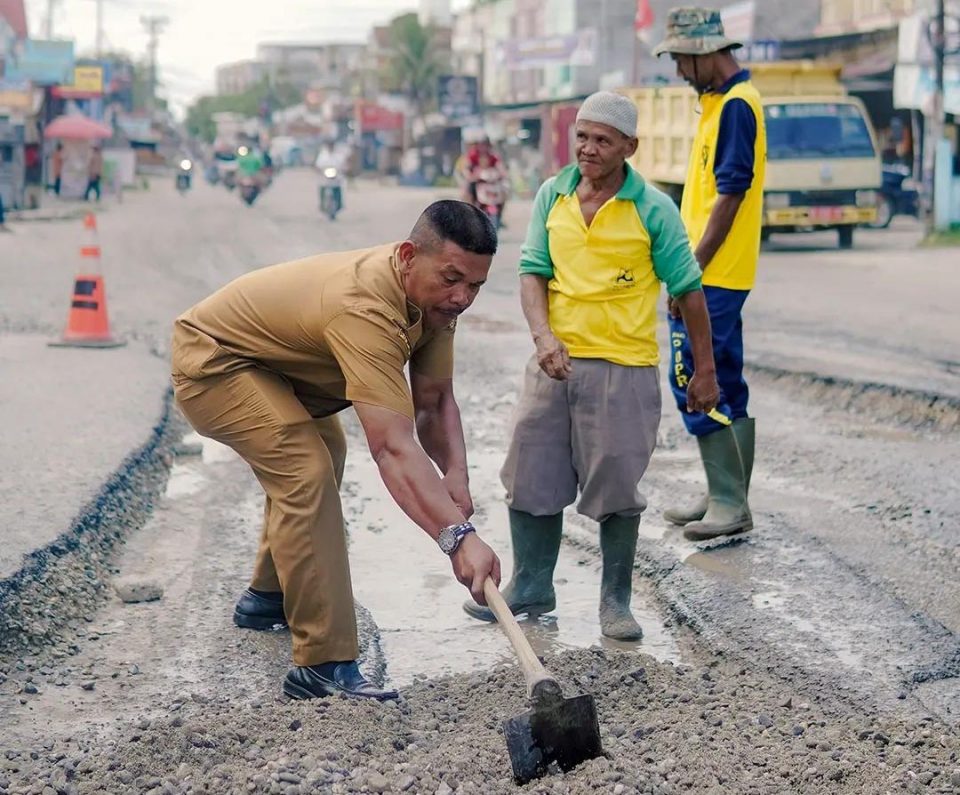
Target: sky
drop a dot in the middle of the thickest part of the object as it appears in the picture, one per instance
(205, 33)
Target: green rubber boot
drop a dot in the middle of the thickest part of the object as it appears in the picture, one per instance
(692, 513)
(728, 512)
(618, 550)
(745, 430)
(536, 545)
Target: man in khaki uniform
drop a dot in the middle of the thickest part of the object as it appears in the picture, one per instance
(264, 365)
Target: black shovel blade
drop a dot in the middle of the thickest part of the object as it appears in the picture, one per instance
(557, 733)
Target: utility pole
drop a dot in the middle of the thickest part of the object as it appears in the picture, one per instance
(935, 122)
(99, 29)
(154, 26)
(48, 27)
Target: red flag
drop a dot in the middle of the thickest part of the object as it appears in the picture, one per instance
(644, 17)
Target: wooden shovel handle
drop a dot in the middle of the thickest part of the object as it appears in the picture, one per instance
(540, 682)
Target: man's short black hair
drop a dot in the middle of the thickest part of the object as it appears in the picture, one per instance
(462, 224)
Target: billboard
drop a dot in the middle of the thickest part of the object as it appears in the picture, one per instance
(16, 96)
(45, 63)
(914, 81)
(575, 49)
(458, 97)
(87, 83)
(375, 118)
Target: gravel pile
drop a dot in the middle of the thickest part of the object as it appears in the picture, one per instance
(665, 730)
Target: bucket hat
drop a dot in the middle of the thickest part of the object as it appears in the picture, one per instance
(694, 31)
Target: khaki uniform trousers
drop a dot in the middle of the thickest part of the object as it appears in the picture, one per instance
(299, 463)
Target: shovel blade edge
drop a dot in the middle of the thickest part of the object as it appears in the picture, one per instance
(558, 735)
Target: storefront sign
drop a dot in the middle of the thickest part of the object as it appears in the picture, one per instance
(457, 96)
(87, 84)
(577, 49)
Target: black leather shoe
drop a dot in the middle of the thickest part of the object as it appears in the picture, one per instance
(259, 610)
(331, 678)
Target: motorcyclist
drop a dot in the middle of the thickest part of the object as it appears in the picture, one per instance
(329, 158)
(250, 163)
(481, 157)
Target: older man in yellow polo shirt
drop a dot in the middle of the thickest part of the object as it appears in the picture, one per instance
(599, 245)
(264, 365)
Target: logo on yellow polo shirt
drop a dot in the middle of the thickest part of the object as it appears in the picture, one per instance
(625, 278)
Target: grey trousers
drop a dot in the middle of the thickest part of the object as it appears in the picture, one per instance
(593, 433)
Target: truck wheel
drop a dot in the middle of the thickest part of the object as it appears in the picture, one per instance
(845, 234)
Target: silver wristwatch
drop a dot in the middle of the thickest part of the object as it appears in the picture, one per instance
(450, 537)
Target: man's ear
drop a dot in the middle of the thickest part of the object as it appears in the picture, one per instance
(405, 254)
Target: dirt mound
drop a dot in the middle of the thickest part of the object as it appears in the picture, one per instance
(665, 729)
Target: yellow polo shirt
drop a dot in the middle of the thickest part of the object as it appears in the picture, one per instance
(604, 280)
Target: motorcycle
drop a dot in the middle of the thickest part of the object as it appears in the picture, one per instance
(331, 192)
(491, 194)
(184, 176)
(249, 190)
(898, 195)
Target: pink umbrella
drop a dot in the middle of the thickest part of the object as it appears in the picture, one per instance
(76, 128)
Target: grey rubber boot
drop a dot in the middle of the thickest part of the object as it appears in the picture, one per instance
(536, 545)
(618, 550)
(727, 510)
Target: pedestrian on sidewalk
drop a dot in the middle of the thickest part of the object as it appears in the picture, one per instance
(722, 209)
(56, 167)
(265, 364)
(600, 243)
(94, 173)
(3, 225)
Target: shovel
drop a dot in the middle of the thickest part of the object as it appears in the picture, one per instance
(556, 732)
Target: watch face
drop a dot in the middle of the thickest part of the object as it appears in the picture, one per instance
(447, 540)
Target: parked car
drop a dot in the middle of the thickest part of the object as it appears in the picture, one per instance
(898, 195)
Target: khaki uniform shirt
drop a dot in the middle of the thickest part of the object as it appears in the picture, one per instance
(338, 327)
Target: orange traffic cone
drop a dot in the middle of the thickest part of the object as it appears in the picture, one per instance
(88, 325)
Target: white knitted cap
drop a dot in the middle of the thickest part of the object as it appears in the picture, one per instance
(614, 110)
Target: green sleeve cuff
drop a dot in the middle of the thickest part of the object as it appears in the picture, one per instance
(535, 253)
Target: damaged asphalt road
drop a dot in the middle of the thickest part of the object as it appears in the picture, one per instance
(817, 654)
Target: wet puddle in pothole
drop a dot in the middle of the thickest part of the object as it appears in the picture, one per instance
(401, 576)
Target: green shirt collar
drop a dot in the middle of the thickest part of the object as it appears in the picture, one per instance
(632, 190)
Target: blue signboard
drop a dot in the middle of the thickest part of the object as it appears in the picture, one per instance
(43, 63)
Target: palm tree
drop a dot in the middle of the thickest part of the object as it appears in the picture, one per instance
(415, 61)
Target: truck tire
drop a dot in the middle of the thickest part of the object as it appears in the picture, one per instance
(845, 235)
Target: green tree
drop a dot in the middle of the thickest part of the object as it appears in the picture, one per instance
(415, 61)
(250, 103)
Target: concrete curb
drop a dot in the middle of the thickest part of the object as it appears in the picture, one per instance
(61, 582)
